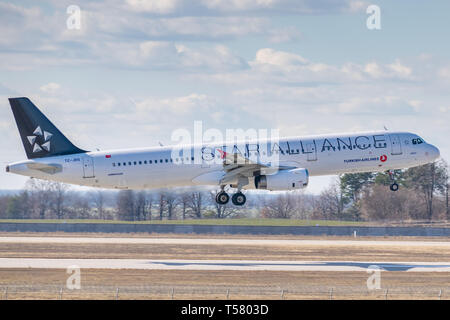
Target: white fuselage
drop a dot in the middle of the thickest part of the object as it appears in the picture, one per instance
(161, 167)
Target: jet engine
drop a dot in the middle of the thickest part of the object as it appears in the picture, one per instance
(283, 180)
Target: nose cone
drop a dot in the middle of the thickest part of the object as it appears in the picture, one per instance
(433, 152)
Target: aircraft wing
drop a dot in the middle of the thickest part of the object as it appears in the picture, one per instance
(239, 168)
(44, 167)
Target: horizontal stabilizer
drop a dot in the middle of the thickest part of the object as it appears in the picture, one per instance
(44, 167)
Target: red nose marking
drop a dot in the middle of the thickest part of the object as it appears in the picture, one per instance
(108, 156)
(383, 158)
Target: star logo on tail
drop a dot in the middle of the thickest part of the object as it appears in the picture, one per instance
(41, 135)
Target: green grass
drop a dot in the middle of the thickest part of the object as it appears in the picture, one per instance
(231, 222)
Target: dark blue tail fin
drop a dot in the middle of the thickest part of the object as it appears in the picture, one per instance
(39, 136)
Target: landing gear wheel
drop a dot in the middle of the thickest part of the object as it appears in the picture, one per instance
(222, 198)
(394, 187)
(238, 199)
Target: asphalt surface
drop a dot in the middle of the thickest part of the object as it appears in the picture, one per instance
(238, 265)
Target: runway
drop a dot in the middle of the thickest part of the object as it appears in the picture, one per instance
(203, 263)
(445, 245)
(237, 265)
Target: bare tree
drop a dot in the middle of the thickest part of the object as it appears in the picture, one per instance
(428, 179)
(196, 203)
(139, 206)
(59, 192)
(379, 203)
(282, 206)
(98, 198)
(47, 197)
(171, 203)
(446, 178)
(184, 200)
(79, 206)
(125, 205)
(147, 213)
(162, 204)
(330, 203)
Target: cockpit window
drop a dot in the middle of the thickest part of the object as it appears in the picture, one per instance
(417, 141)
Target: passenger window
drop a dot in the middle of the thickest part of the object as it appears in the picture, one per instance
(113, 164)
(124, 163)
(414, 141)
(160, 160)
(140, 162)
(135, 163)
(118, 164)
(129, 163)
(150, 161)
(145, 161)
(167, 160)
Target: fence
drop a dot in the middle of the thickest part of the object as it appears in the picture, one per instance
(226, 229)
(51, 292)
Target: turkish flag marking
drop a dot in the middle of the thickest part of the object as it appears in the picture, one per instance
(223, 154)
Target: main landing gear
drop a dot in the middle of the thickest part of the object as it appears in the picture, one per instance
(394, 186)
(238, 198)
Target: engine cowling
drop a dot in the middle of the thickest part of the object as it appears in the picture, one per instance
(283, 180)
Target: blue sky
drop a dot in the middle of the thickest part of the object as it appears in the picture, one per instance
(138, 70)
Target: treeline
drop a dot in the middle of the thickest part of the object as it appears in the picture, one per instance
(42, 199)
(423, 195)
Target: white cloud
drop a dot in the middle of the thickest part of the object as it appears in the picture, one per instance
(176, 106)
(285, 60)
(50, 87)
(154, 6)
(393, 70)
(215, 7)
(444, 72)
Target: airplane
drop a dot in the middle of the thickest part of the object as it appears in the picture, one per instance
(272, 164)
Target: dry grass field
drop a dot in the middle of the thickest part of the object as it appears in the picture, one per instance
(177, 284)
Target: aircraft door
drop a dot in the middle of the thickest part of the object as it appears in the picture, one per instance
(396, 146)
(88, 167)
(311, 151)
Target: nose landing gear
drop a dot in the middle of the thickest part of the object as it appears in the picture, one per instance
(394, 186)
